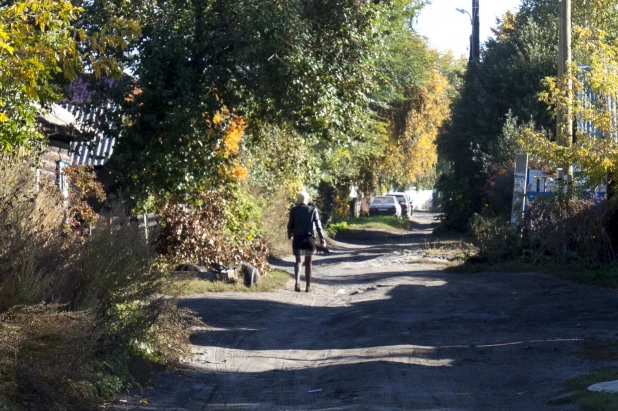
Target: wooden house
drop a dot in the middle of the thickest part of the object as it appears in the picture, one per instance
(74, 138)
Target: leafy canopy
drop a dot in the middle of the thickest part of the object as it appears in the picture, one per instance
(39, 45)
(306, 66)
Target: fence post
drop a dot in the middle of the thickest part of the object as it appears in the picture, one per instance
(146, 226)
(519, 189)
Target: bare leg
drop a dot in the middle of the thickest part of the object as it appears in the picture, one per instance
(297, 272)
(308, 272)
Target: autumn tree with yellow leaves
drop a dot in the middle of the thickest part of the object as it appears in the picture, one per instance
(410, 157)
(595, 83)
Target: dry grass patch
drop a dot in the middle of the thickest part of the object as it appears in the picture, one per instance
(44, 356)
(450, 250)
(104, 308)
(270, 281)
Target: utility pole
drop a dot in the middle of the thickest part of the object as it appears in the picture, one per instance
(475, 46)
(564, 126)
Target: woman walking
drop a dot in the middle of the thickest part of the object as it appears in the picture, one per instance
(303, 223)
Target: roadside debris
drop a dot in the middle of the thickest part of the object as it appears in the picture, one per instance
(228, 274)
(609, 386)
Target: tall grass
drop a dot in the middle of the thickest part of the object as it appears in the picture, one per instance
(75, 311)
(561, 230)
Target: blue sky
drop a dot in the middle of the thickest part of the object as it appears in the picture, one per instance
(448, 29)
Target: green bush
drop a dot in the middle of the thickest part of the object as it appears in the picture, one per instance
(332, 228)
(495, 238)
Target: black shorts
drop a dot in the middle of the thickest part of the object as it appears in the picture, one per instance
(303, 245)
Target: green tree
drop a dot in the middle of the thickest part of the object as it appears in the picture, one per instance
(304, 65)
(508, 79)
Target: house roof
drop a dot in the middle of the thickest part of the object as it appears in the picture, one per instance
(57, 115)
(89, 145)
(97, 150)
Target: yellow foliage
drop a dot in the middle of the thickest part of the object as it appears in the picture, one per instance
(37, 42)
(233, 128)
(239, 172)
(505, 26)
(234, 133)
(412, 156)
(596, 155)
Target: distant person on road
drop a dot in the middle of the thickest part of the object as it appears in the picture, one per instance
(304, 222)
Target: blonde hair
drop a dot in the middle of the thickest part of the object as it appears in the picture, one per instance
(303, 197)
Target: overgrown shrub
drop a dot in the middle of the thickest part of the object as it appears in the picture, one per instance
(31, 243)
(568, 230)
(556, 227)
(70, 303)
(495, 238)
(274, 223)
(222, 227)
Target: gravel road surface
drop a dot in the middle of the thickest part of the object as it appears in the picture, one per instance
(382, 332)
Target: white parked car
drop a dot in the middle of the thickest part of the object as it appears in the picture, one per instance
(405, 201)
(384, 205)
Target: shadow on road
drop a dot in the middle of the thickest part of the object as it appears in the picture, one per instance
(436, 343)
(440, 310)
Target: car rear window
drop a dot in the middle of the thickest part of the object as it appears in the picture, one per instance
(383, 200)
(400, 197)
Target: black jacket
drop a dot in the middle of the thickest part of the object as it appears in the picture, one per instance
(304, 220)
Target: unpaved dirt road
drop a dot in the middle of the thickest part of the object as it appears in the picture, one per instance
(380, 333)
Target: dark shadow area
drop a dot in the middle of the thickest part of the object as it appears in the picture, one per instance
(370, 278)
(475, 341)
(422, 226)
(308, 387)
(361, 386)
(481, 309)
